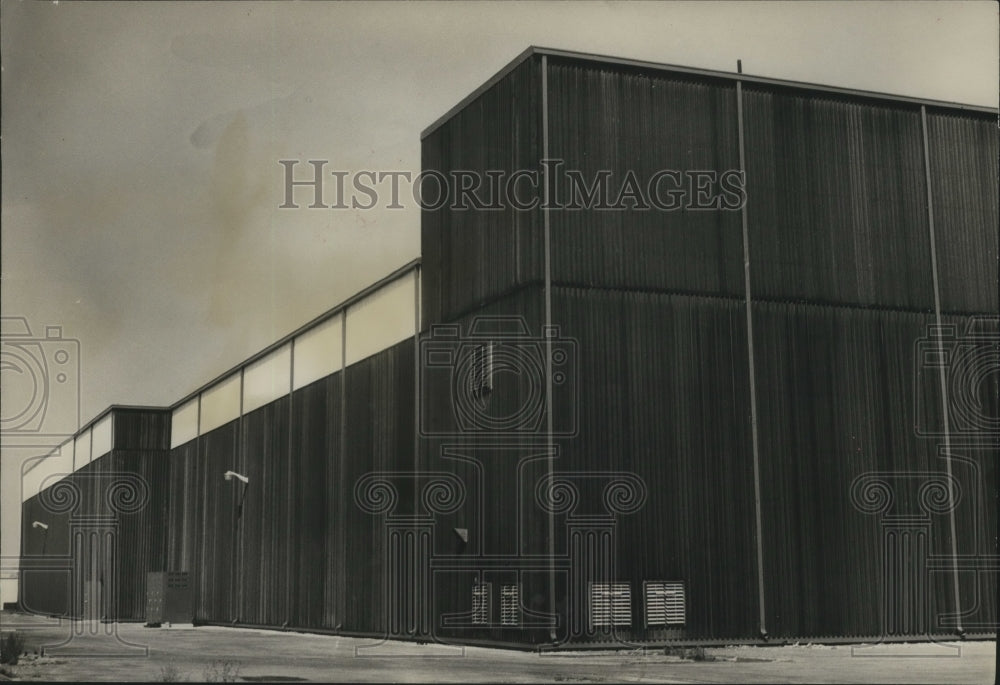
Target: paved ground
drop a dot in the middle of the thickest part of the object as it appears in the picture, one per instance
(197, 654)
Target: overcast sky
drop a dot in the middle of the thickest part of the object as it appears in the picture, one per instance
(141, 142)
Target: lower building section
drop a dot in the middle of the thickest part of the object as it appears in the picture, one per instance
(629, 475)
(89, 539)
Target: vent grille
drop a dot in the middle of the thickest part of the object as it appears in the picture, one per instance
(481, 603)
(610, 604)
(177, 579)
(665, 603)
(510, 605)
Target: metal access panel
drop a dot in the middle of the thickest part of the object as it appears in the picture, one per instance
(610, 604)
(168, 598)
(666, 603)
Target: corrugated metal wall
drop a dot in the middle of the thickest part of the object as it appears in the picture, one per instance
(107, 526)
(652, 315)
(841, 277)
(505, 531)
(44, 583)
(471, 256)
(317, 518)
(624, 121)
(836, 200)
(301, 553)
(142, 533)
(836, 404)
(266, 521)
(181, 508)
(663, 394)
(141, 441)
(963, 161)
(379, 428)
(215, 567)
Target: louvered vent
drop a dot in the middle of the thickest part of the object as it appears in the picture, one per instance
(610, 604)
(481, 603)
(665, 603)
(510, 605)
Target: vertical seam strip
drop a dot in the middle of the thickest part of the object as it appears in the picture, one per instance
(942, 379)
(751, 368)
(548, 340)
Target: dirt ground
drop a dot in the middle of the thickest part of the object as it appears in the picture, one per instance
(130, 652)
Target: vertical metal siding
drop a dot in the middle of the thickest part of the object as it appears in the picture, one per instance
(216, 528)
(842, 286)
(836, 200)
(664, 394)
(143, 533)
(125, 488)
(379, 422)
(140, 448)
(181, 508)
(838, 219)
(494, 504)
(836, 403)
(42, 589)
(328, 573)
(318, 550)
(141, 429)
(963, 162)
(622, 121)
(266, 513)
(973, 457)
(471, 256)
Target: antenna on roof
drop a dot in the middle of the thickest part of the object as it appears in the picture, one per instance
(739, 66)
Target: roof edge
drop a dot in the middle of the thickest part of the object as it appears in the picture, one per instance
(492, 81)
(695, 71)
(392, 276)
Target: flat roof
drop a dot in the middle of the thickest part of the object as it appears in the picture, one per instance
(694, 71)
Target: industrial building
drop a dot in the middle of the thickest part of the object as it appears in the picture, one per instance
(763, 406)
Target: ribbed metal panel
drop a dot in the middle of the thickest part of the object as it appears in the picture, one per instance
(603, 118)
(216, 527)
(974, 387)
(963, 161)
(470, 256)
(266, 519)
(141, 429)
(41, 588)
(664, 395)
(498, 510)
(88, 557)
(301, 554)
(181, 508)
(379, 415)
(836, 200)
(858, 502)
(836, 390)
(107, 527)
(142, 534)
(317, 525)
